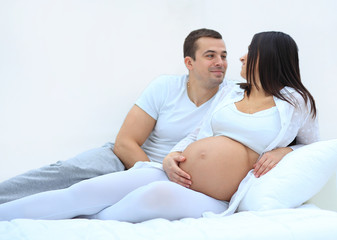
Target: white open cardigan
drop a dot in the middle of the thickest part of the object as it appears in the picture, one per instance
(296, 121)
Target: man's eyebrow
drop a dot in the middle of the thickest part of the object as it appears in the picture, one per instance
(212, 51)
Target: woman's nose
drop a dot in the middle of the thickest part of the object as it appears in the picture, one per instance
(243, 58)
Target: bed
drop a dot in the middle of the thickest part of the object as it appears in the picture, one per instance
(303, 223)
(270, 207)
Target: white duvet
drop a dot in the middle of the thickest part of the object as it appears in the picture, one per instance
(303, 223)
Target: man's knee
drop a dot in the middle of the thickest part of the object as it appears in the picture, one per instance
(102, 159)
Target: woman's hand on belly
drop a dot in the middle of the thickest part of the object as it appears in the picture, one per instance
(173, 171)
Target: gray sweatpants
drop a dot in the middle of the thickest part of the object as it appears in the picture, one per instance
(62, 174)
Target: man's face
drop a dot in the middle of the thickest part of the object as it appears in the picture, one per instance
(210, 62)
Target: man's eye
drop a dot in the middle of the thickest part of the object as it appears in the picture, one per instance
(223, 57)
(209, 55)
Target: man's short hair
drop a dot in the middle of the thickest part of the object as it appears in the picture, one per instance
(190, 46)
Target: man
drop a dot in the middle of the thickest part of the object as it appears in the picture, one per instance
(169, 109)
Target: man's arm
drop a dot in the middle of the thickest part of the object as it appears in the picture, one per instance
(135, 130)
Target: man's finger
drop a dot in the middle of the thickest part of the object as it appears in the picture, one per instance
(184, 182)
(183, 174)
(179, 158)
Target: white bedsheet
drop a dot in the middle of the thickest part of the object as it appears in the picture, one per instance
(303, 223)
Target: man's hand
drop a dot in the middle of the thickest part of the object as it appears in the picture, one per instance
(269, 160)
(173, 171)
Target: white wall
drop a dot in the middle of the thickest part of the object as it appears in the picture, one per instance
(71, 69)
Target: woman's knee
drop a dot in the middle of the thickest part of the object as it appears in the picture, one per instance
(159, 195)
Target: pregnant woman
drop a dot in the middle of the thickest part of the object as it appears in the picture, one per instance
(245, 121)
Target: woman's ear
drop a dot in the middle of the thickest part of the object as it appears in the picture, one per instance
(188, 63)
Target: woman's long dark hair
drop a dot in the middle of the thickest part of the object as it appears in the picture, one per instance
(276, 55)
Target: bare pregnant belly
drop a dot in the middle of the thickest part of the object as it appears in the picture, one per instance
(217, 165)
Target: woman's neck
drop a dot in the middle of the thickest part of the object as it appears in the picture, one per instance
(258, 92)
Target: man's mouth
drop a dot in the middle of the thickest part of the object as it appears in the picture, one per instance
(217, 70)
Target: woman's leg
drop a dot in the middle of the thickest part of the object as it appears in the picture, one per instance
(162, 199)
(84, 198)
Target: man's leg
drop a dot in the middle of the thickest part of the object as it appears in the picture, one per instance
(62, 174)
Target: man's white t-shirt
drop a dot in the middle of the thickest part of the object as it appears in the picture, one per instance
(166, 100)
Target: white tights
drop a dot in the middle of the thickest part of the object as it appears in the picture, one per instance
(135, 195)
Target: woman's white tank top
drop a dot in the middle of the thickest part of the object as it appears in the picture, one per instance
(255, 131)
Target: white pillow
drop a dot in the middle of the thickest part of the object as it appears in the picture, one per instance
(297, 177)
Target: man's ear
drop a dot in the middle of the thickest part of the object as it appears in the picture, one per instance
(188, 63)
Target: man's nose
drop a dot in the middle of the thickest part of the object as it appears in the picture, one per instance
(218, 61)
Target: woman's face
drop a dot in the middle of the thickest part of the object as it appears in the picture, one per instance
(243, 59)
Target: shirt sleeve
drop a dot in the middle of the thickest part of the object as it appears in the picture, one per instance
(153, 97)
(309, 130)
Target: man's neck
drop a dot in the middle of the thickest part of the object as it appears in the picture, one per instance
(200, 94)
